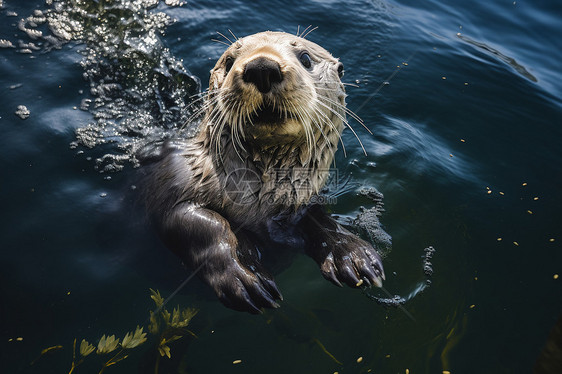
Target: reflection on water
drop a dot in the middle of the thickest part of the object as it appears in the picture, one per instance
(495, 53)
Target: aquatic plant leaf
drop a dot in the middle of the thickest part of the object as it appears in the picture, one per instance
(188, 314)
(164, 351)
(107, 345)
(132, 340)
(113, 362)
(51, 349)
(45, 351)
(171, 339)
(175, 317)
(166, 316)
(86, 348)
(154, 326)
(158, 300)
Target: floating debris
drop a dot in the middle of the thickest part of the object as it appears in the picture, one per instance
(6, 44)
(515, 243)
(237, 362)
(22, 112)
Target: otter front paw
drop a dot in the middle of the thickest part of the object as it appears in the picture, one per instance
(352, 261)
(238, 288)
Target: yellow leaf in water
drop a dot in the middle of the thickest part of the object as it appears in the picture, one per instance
(175, 317)
(187, 314)
(50, 349)
(155, 295)
(166, 316)
(154, 326)
(164, 351)
(86, 348)
(107, 345)
(132, 340)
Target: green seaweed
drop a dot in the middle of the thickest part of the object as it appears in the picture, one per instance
(165, 326)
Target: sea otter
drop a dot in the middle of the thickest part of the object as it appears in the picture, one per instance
(274, 113)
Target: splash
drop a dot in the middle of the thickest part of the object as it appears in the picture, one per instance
(139, 92)
(397, 300)
(368, 220)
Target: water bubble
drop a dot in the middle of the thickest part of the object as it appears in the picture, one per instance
(22, 112)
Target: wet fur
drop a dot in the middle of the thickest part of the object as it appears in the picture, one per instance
(219, 198)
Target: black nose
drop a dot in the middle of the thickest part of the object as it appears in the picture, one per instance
(262, 72)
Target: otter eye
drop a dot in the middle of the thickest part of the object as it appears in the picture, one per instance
(228, 63)
(340, 69)
(305, 60)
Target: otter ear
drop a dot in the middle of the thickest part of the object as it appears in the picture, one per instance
(341, 71)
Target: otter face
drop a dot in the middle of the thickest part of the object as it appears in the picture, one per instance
(278, 88)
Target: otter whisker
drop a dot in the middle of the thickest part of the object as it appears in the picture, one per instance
(237, 126)
(314, 118)
(349, 112)
(219, 117)
(329, 122)
(308, 32)
(303, 31)
(322, 136)
(309, 135)
(346, 123)
(344, 83)
(231, 33)
(202, 109)
(224, 36)
(220, 41)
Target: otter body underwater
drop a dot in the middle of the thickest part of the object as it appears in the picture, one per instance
(274, 113)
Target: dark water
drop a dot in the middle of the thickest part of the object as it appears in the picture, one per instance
(464, 100)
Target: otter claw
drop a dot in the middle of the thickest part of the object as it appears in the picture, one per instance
(329, 271)
(349, 275)
(271, 288)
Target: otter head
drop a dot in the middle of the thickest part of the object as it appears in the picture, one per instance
(272, 90)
